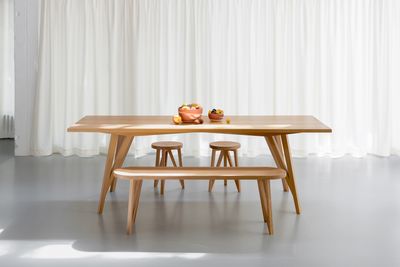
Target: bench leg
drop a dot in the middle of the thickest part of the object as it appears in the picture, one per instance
(131, 206)
(266, 205)
(261, 190)
(138, 190)
(267, 189)
(133, 203)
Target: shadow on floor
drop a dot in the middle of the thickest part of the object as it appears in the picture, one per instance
(212, 226)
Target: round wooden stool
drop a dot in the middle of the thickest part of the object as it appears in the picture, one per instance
(224, 147)
(163, 150)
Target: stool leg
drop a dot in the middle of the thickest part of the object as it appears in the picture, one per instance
(175, 165)
(225, 164)
(211, 182)
(164, 164)
(237, 181)
(228, 157)
(158, 153)
(181, 165)
(220, 158)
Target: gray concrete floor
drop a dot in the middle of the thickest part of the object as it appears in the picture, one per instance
(351, 216)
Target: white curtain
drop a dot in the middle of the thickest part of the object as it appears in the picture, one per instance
(338, 60)
(6, 69)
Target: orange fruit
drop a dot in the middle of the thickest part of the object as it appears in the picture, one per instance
(177, 119)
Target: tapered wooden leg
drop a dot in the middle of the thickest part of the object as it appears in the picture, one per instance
(172, 158)
(176, 166)
(228, 156)
(280, 162)
(120, 156)
(180, 157)
(107, 172)
(131, 206)
(237, 181)
(225, 164)
(138, 189)
(211, 182)
(220, 158)
(158, 153)
(268, 205)
(182, 183)
(219, 162)
(278, 141)
(261, 190)
(181, 165)
(119, 143)
(290, 173)
(164, 164)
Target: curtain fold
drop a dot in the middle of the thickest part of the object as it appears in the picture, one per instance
(335, 59)
(6, 69)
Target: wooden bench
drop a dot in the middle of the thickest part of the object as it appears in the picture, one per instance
(262, 175)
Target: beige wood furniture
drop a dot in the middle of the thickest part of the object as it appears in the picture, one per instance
(275, 130)
(224, 148)
(163, 151)
(263, 175)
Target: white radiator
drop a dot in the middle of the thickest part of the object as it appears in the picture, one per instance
(7, 126)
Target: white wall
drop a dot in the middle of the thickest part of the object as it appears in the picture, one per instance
(26, 62)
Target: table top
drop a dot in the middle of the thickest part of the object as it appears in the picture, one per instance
(242, 125)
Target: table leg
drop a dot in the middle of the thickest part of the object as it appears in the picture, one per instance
(107, 171)
(290, 173)
(119, 144)
(278, 140)
(115, 159)
(280, 157)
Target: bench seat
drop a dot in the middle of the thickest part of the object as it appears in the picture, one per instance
(262, 175)
(199, 173)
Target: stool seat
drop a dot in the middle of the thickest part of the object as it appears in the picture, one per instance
(225, 145)
(167, 145)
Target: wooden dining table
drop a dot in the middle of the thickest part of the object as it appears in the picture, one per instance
(275, 130)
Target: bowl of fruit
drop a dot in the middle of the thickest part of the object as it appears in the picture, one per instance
(190, 113)
(216, 114)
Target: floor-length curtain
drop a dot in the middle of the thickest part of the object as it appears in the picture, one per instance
(338, 60)
(6, 69)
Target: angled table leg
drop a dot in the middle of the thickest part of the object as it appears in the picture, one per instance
(119, 143)
(290, 177)
(107, 171)
(115, 159)
(278, 140)
(283, 159)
